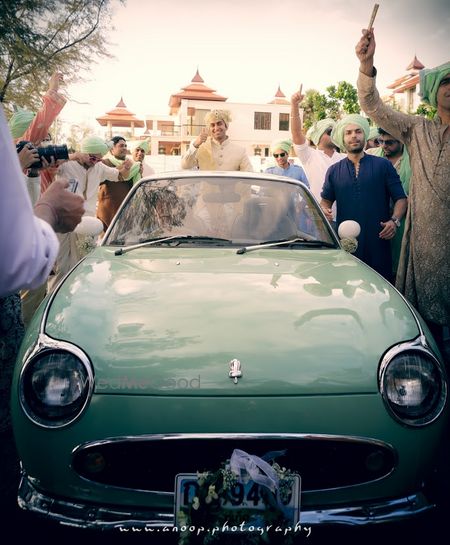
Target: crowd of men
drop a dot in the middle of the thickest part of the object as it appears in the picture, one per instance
(397, 192)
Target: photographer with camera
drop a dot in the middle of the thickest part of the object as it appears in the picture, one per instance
(34, 161)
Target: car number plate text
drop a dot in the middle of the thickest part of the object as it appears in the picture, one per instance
(243, 496)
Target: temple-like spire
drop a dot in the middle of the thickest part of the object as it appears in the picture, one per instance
(121, 103)
(415, 64)
(197, 78)
(279, 97)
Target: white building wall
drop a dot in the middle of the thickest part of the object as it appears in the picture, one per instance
(241, 129)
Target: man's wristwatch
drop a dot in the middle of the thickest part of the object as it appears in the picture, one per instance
(396, 221)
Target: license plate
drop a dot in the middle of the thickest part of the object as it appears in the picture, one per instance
(242, 496)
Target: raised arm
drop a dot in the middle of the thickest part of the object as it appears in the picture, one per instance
(52, 103)
(298, 137)
(396, 123)
(365, 51)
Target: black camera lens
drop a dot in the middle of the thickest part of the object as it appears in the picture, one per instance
(47, 152)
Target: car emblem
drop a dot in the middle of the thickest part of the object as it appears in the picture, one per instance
(235, 370)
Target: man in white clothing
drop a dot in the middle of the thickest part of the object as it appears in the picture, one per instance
(28, 244)
(315, 161)
(213, 150)
(139, 150)
(89, 173)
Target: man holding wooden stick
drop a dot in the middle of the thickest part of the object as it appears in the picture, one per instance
(424, 268)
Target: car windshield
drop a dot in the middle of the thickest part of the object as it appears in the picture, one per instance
(218, 211)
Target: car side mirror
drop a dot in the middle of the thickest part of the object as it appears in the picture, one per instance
(348, 231)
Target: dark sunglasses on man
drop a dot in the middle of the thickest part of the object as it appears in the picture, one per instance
(386, 142)
(282, 154)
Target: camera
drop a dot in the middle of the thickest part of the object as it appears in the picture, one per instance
(47, 152)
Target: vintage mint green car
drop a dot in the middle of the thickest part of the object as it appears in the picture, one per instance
(221, 312)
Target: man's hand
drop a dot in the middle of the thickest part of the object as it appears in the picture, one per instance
(365, 51)
(126, 165)
(80, 158)
(52, 165)
(27, 156)
(389, 230)
(297, 98)
(201, 138)
(124, 170)
(60, 208)
(326, 205)
(56, 80)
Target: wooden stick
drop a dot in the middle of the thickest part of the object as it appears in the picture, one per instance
(301, 87)
(372, 19)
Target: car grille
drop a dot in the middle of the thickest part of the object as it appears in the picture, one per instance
(151, 464)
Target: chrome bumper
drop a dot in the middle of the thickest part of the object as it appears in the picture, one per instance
(91, 516)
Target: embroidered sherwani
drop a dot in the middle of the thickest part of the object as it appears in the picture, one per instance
(211, 155)
(424, 269)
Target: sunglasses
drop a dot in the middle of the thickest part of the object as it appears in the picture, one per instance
(387, 142)
(282, 154)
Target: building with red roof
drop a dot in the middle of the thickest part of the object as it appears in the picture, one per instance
(121, 117)
(406, 88)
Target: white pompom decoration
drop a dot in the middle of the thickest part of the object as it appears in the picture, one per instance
(89, 226)
(349, 229)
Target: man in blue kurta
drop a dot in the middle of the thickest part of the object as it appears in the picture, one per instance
(362, 186)
(280, 151)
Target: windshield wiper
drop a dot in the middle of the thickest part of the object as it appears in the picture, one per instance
(310, 241)
(153, 241)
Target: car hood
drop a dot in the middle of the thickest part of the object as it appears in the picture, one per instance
(165, 321)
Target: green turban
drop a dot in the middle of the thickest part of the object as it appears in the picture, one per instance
(285, 145)
(94, 145)
(143, 144)
(430, 80)
(316, 131)
(337, 136)
(373, 133)
(20, 121)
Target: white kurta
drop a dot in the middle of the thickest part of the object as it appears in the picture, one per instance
(316, 163)
(88, 182)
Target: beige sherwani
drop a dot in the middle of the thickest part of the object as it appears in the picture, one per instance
(214, 156)
(424, 269)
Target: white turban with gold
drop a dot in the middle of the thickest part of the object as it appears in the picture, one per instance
(216, 115)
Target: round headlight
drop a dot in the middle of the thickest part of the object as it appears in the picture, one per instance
(55, 386)
(412, 386)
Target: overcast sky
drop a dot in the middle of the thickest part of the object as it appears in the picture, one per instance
(244, 49)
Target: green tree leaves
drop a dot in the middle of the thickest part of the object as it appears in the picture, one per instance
(338, 101)
(39, 37)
